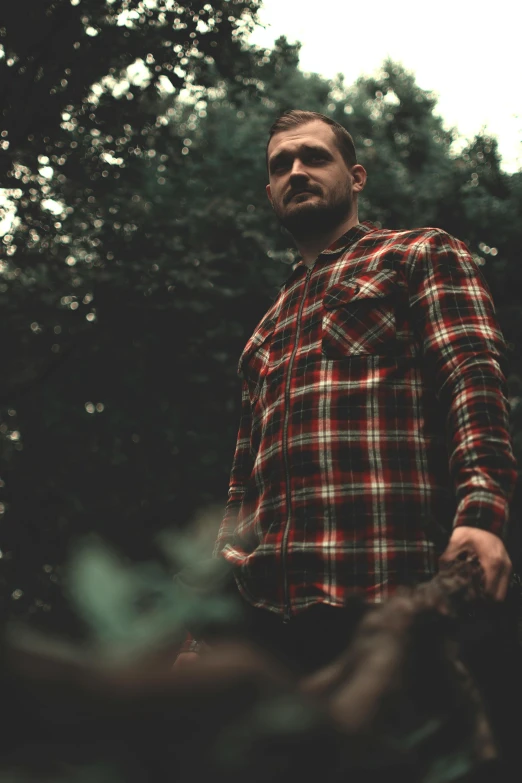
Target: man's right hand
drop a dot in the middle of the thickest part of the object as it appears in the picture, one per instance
(491, 553)
(185, 659)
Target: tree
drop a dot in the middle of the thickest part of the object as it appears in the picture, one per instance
(82, 120)
(80, 90)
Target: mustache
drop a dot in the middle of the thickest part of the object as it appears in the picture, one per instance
(295, 192)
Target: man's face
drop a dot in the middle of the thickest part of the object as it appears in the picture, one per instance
(311, 188)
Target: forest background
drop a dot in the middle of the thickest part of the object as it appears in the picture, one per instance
(139, 251)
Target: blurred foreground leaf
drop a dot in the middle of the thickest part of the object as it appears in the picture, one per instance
(131, 608)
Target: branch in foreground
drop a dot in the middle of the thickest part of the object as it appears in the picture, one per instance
(399, 700)
(400, 688)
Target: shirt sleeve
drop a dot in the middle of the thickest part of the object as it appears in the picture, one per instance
(464, 351)
(241, 470)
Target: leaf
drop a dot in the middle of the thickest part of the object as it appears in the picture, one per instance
(447, 769)
(131, 608)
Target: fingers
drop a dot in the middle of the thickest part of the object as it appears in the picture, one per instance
(468, 542)
(497, 571)
(499, 575)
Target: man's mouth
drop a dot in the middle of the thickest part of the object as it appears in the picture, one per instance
(301, 193)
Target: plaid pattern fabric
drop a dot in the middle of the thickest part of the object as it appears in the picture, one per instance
(374, 415)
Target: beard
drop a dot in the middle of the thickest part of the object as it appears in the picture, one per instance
(307, 219)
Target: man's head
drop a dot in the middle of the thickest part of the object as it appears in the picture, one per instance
(314, 177)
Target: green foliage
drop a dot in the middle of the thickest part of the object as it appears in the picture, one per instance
(80, 133)
(449, 768)
(131, 609)
(403, 145)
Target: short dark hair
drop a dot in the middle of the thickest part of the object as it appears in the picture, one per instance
(296, 117)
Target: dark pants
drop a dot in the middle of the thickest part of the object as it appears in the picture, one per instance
(306, 642)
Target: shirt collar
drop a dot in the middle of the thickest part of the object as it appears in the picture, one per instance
(339, 245)
(351, 236)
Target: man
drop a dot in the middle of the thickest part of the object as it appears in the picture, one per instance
(374, 414)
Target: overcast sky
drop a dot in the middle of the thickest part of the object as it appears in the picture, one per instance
(468, 53)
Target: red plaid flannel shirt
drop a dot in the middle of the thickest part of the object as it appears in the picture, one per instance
(374, 415)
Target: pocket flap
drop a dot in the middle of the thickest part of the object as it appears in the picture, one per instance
(260, 336)
(372, 285)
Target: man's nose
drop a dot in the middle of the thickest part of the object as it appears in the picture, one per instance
(298, 169)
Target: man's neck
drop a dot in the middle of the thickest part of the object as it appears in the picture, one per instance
(311, 247)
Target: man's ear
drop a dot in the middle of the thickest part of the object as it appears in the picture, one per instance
(269, 194)
(359, 176)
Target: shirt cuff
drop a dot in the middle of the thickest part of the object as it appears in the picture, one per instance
(484, 510)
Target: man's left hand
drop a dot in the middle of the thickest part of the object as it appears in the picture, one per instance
(491, 553)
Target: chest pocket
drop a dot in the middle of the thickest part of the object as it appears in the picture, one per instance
(254, 361)
(359, 315)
